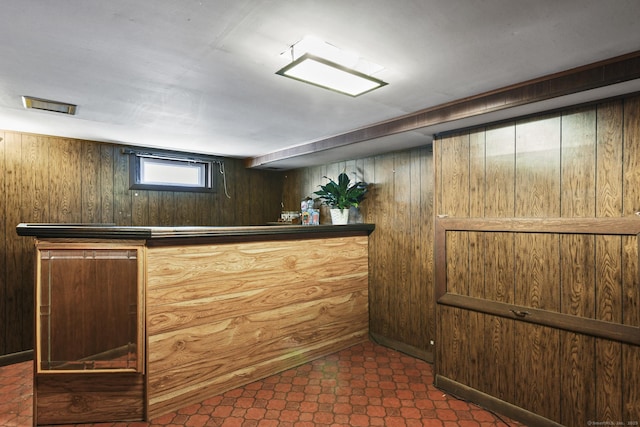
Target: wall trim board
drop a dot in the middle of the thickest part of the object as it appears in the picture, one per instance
(418, 353)
(22, 356)
(568, 322)
(491, 403)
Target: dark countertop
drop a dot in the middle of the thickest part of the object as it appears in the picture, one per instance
(109, 231)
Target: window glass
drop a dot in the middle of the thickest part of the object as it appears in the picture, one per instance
(170, 172)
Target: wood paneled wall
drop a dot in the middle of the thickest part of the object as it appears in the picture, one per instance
(401, 247)
(579, 163)
(52, 179)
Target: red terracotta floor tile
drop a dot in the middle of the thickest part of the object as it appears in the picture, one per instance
(365, 385)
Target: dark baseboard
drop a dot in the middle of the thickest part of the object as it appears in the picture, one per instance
(418, 353)
(10, 359)
(492, 404)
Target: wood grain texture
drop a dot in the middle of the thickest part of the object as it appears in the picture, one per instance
(15, 248)
(65, 399)
(537, 179)
(224, 315)
(47, 179)
(107, 170)
(631, 203)
(88, 303)
(631, 277)
(537, 368)
(65, 175)
(576, 272)
(609, 164)
(3, 249)
(456, 346)
(578, 158)
(90, 182)
(399, 303)
(383, 283)
(500, 171)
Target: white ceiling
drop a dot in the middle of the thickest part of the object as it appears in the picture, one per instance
(199, 76)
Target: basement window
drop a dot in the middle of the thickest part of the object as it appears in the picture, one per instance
(170, 172)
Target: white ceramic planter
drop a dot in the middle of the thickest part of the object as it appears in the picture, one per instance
(339, 216)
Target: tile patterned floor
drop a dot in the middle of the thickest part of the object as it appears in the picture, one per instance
(365, 385)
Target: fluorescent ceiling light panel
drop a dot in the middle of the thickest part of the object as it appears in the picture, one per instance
(330, 75)
(322, 64)
(30, 102)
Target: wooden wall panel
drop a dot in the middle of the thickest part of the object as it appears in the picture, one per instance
(52, 179)
(400, 204)
(4, 324)
(107, 153)
(580, 163)
(90, 184)
(537, 183)
(498, 344)
(631, 281)
(398, 302)
(65, 172)
(499, 201)
(15, 249)
(122, 204)
(456, 344)
(382, 294)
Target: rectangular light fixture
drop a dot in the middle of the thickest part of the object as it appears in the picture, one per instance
(327, 74)
(30, 102)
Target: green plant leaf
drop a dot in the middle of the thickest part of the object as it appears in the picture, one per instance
(342, 194)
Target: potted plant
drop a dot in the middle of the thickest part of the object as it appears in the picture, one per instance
(341, 196)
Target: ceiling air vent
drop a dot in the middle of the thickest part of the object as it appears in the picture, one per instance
(48, 105)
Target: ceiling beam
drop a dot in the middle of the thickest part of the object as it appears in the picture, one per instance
(599, 74)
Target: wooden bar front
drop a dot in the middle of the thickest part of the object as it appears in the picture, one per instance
(222, 307)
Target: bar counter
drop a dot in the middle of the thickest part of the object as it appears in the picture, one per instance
(136, 322)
